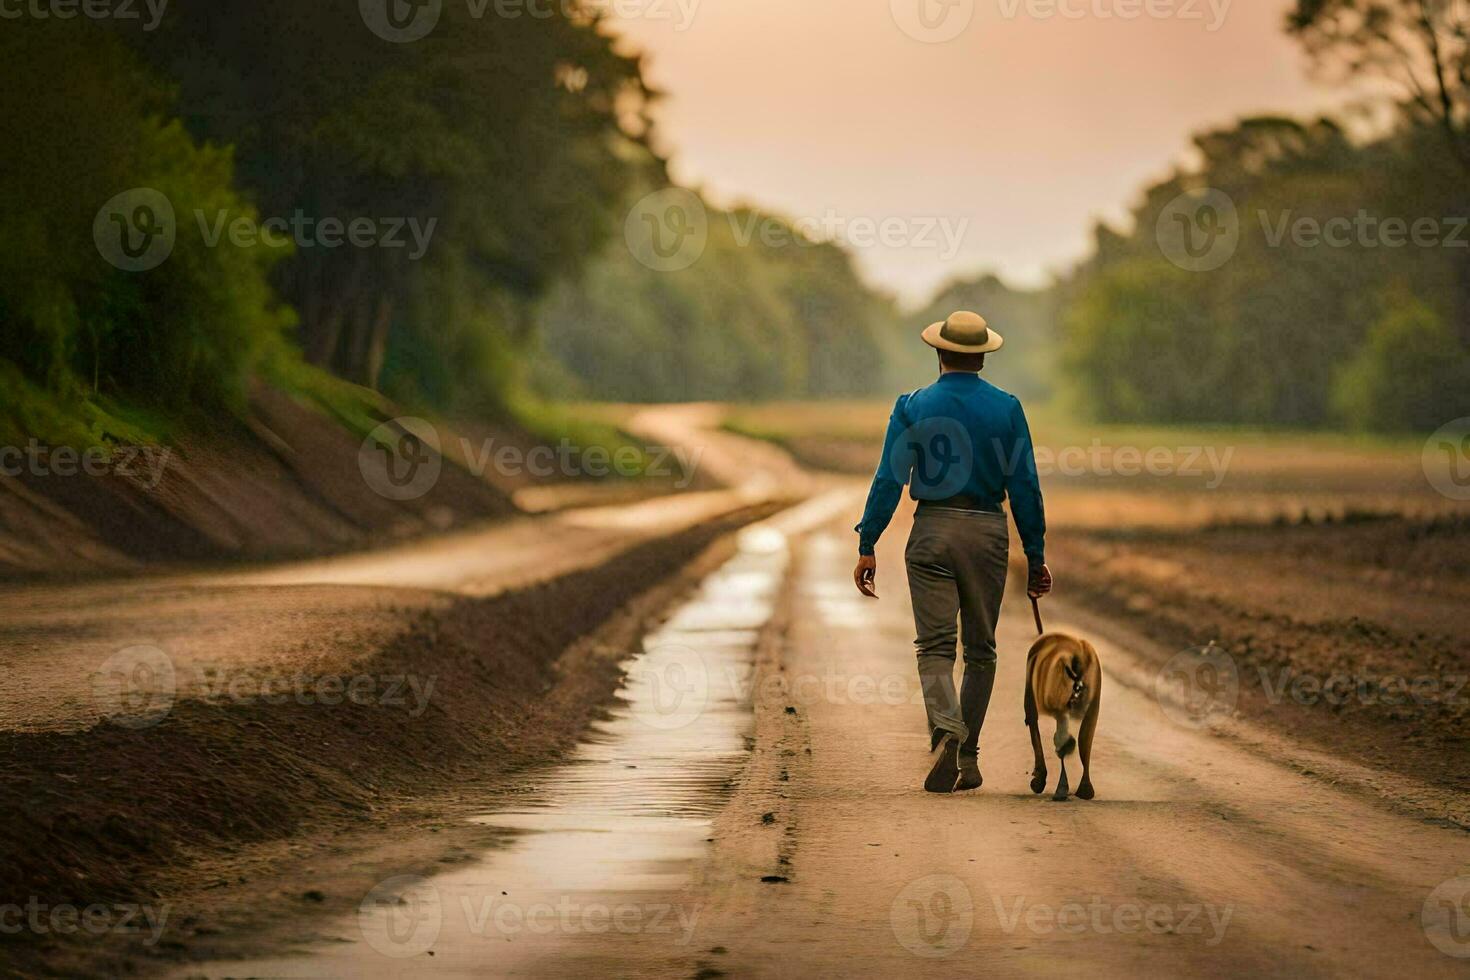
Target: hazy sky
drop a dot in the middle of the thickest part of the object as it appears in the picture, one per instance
(1017, 133)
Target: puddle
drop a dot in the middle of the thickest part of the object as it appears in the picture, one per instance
(595, 879)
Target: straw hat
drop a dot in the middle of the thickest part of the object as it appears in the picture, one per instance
(964, 333)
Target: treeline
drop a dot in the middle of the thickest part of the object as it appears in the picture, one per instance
(389, 212)
(1295, 276)
(764, 312)
(1327, 311)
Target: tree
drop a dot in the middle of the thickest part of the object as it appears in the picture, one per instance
(81, 121)
(505, 132)
(1421, 46)
(1409, 374)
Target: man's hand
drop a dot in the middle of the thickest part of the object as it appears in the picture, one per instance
(1038, 583)
(864, 574)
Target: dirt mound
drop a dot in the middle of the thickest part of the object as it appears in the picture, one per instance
(287, 483)
(1349, 632)
(121, 813)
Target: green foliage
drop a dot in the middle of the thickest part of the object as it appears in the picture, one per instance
(186, 334)
(1265, 338)
(506, 132)
(749, 320)
(1409, 374)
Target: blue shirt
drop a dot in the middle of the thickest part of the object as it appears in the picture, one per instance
(960, 435)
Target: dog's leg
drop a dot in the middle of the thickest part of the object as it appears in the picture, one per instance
(1038, 771)
(1062, 788)
(1084, 746)
(1065, 746)
(1063, 741)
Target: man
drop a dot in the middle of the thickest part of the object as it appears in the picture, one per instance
(963, 447)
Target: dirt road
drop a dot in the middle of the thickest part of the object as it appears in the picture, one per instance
(1207, 853)
(1202, 856)
(774, 825)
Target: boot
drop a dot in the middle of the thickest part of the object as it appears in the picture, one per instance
(975, 692)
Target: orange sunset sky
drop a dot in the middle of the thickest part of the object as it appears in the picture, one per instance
(1032, 121)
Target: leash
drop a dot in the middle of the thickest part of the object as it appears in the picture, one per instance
(1036, 611)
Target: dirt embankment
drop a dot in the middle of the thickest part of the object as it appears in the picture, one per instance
(286, 483)
(1352, 634)
(124, 812)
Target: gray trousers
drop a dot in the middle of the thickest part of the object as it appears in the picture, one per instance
(957, 562)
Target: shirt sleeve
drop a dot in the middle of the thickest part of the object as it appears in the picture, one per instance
(1024, 489)
(887, 487)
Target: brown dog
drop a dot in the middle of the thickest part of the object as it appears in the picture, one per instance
(1063, 681)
